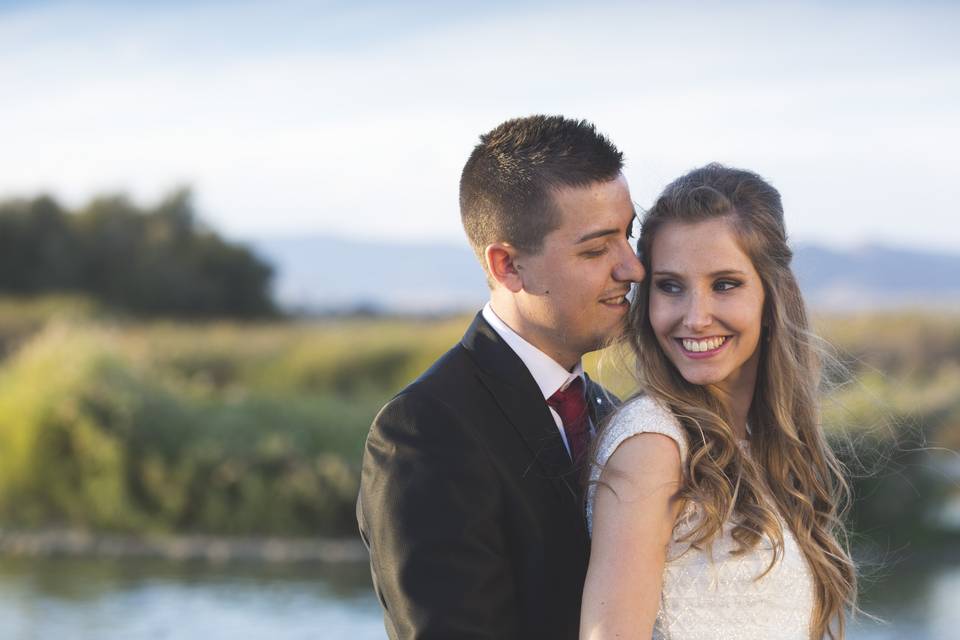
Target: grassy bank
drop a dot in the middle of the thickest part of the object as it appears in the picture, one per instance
(256, 429)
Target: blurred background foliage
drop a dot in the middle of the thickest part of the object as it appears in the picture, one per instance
(120, 424)
(148, 385)
(143, 260)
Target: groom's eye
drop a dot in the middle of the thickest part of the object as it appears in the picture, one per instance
(595, 253)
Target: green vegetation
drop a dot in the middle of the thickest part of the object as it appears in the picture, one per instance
(243, 429)
(146, 261)
(215, 428)
(896, 423)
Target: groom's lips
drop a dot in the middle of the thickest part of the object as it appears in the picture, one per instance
(617, 301)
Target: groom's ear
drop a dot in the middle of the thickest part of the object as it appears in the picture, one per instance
(500, 258)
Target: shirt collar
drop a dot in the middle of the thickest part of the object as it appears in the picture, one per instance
(549, 374)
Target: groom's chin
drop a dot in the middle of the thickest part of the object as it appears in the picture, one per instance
(617, 331)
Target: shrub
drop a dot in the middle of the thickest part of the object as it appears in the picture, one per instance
(91, 437)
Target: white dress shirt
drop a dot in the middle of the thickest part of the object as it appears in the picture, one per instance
(549, 374)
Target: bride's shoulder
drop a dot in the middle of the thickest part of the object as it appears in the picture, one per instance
(656, 457)
(642, 414)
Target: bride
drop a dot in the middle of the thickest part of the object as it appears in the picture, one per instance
(714, 497)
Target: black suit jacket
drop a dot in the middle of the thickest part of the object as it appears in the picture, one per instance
(469, 504)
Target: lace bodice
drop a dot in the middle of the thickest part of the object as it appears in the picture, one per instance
(710, 593)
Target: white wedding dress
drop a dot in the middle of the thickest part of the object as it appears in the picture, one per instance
(715, 598)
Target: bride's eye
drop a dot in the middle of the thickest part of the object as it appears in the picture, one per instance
(725, 285)
(667, 286)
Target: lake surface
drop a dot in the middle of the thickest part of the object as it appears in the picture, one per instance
(74, 599)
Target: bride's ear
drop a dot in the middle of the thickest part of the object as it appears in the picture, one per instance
(500, 259)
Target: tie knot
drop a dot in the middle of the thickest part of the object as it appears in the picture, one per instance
(569, 402)
(571, 405)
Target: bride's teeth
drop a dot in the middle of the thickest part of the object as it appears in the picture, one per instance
(699, 346)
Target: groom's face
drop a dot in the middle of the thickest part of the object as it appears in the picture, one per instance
(574, 287)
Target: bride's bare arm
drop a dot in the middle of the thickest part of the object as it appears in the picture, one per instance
(634, 511)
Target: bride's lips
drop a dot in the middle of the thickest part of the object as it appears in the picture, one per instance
(709, 352)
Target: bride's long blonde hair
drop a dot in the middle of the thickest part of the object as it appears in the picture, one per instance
(790, 454)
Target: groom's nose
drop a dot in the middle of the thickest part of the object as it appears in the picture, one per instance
(628, 267)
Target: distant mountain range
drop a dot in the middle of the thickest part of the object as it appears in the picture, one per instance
(324, 274)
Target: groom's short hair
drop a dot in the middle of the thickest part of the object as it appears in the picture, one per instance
(506, 186)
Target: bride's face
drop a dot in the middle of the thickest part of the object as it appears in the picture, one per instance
(706, 304)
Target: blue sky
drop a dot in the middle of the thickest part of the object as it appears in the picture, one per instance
(356, 118)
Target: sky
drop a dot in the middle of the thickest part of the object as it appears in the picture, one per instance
(355, 118)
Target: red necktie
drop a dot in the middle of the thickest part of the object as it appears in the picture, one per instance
(570, 404)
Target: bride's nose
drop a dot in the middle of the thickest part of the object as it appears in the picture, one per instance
(698, 313)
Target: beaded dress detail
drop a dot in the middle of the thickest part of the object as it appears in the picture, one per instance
(710, 594)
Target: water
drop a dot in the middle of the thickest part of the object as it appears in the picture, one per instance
(69, 599)
(919, 600)
(157, 600)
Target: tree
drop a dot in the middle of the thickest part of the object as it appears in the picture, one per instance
(151, 261)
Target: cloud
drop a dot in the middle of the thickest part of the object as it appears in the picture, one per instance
(357, 118)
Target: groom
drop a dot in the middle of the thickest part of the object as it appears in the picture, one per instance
(470, 500)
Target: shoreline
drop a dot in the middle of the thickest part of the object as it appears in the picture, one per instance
(48, 543)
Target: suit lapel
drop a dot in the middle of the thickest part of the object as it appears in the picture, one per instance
(517, 393)
(600, 401)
